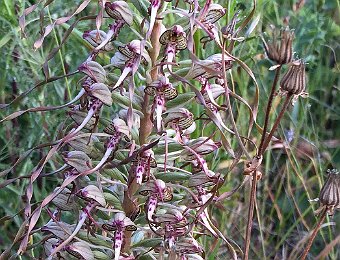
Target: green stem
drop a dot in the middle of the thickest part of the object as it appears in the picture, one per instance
(61, 58)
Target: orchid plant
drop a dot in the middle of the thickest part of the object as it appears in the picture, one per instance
(138, 184)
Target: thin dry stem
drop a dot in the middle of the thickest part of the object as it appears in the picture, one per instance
(315, 232)
(277, 122)
(269, 105)
(250, 216)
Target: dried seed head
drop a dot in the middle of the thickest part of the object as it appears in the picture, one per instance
(119, 10)
(330, 192)
(175, 36)
(294, 81)
(280, 48)
(78, 160)
(101, 92)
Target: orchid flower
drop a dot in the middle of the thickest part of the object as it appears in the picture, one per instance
(213, 14)
(162, 90)
(98, 90)
(198, 147)
(130, 53)
(174, 40)
(180, 120)
(120, 11)
(204, 197)
(175, 225)
(143, 164)
(119, 224)
(117, 129)
(156, 191)
(94, 197)
(96, 37)
(188, 245)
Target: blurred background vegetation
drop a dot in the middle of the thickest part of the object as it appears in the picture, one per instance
(293, 174)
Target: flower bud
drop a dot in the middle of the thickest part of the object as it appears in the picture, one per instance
(330, 192)
(80, 250)
(280, 49)
(210, 67)
(294, 81)
(181, 117)
(78, 160)
(118, 125)
(102, 92)
(203, 145)
(60, 230)
(118, 60)
(82, 144)
(96, 37)
(94, 70)
(214, 13)
(65, 200)
(78, 116)
(119, 10)
(92, 192)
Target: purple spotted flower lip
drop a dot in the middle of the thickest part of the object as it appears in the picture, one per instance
(142, 166)
(130, 55)
(121, 13)
(156, 191)
(118, 225)
(174, 40)
(162, 90)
